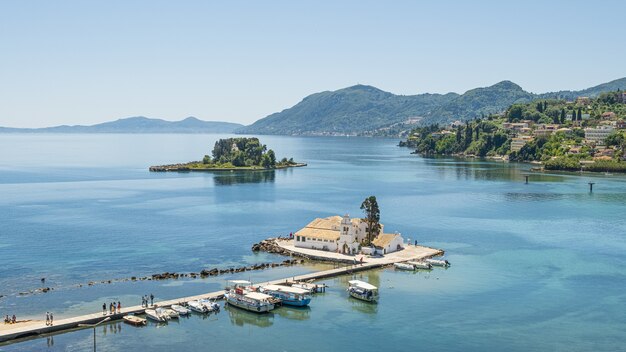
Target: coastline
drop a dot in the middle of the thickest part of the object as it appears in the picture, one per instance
(186, 168)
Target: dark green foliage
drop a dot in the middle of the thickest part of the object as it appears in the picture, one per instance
(241, 152)
(372, 217)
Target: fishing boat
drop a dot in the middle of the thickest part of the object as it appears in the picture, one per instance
(171, 313)
(363, 291)
(180, 309)
(292, 296)
(438, 262)
(198, 307)
(157, 315)
(312, 288)
(134, 320)
(404, 266)
(240, 295)
(421, 265)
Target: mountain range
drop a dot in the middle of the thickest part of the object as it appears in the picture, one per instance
(356, 110)
(138, 124)
(366, 110)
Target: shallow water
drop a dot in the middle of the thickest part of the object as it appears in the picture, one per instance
(536, 266)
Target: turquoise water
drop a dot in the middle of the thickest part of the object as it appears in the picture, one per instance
(536, 266)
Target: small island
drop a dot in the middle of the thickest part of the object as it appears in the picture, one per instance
(247, 154)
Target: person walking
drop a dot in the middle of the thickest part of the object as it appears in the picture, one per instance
(47, 318)
(151, 299)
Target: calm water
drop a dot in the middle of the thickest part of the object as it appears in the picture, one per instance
(535, 267)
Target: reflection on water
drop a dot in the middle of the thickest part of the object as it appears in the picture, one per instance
(294, 313)
(241, 317)
(111, 328)
(232, 178)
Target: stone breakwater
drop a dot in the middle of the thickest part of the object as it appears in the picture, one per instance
(204, 273)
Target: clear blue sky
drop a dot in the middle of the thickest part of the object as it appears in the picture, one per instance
(84, 62)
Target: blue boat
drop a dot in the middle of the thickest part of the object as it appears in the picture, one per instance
(292, 296)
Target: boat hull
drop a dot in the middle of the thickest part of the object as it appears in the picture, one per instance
(250, 307)
(363, 297)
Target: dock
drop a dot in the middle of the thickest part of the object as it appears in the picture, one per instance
(40, 328)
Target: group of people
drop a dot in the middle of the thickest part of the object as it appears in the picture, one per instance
(145, 299)
(10, 320)
(49, 318)
(113, 308)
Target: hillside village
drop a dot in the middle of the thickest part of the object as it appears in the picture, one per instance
(585, 133)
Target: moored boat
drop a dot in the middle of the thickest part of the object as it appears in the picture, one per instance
(157, 315)
(134, 320)
(363, 291)
(171, 313)
(403, 266)
(292, 296)
(421, 265)
(240, 295)
(438, 262)
(197, 307)
(180, 309)
(210, 305)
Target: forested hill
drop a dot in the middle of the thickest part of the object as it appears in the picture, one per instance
(366, 110)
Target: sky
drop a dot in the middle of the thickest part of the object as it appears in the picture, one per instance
(85, 62)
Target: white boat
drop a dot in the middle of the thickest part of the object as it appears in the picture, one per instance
(180, 309)
(363, 291)
(197, 306)
(211, 306)
(288, 295)
(438, 262)
(421, 265)
(240, 295)
(156, 315)
(172, 313)
(404, 266)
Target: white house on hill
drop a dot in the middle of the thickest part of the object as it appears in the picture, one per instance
(343, 235)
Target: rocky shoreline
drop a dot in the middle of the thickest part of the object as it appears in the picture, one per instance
(186, 168)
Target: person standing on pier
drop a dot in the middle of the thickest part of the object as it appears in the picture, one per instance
(119, 306)
(51, 318)
(151, 299)
(47, 318)
(104, 308)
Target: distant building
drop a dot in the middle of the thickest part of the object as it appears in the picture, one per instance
(574, 150)
(443, 133)
(343, 235)
(545, 129)
(518, 142)
(620, 124)
(609, 115)
(515, 126)
(598, 135)
(583, 101)
(456, 124)
(622, 97)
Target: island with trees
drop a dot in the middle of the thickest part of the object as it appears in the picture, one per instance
(586, 134)
(244, 153)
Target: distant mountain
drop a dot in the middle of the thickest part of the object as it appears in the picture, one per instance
(138, 124)
(366, 110)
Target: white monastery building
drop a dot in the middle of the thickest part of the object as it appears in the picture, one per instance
(344, 235)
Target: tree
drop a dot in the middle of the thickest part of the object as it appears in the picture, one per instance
(562, 116)
(372, 218)
(579, 117)
(272, 157)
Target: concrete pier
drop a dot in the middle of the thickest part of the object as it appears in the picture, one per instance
(40, 328)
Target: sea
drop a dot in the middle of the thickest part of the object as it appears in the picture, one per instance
(537, 266)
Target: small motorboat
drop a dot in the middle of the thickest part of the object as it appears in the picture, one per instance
(288, 295)
(421, 265)
(172, 313)
(180, 309)
(157, 315)
(363, 291)
(404, 266)
(438, 262)
(211, 306)
(134, 320)
(198, 307)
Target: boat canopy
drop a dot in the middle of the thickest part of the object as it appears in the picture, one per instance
(287, 289)
(362, 284)
(258, 296)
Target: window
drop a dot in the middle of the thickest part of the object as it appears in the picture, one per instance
(297, 238)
